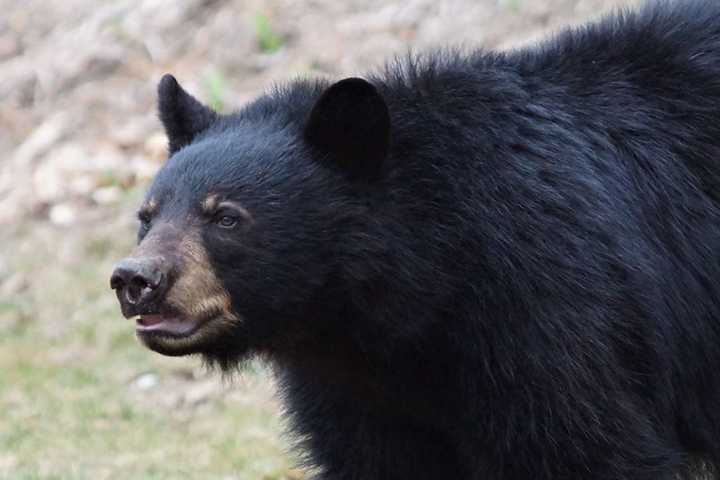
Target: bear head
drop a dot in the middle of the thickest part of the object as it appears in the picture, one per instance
(240, 244)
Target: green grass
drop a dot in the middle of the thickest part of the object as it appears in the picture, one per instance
(268, 39)
(71, 406)
(514, 5)
(214, 82)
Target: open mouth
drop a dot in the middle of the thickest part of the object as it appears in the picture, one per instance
(171, 325)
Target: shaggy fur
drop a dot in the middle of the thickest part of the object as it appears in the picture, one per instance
(518, 277)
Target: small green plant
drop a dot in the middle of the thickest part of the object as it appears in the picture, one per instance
(215, 87)
(268, 39)
(513, 5)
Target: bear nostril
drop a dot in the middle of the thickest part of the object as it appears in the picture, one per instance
(134, 295)
(117, 281)
(137, 280)
(140, 283)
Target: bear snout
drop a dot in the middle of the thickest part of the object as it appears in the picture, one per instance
(139, 283)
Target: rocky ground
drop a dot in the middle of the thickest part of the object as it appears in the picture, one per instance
(79, 139)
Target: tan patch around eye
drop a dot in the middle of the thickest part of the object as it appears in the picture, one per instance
(209, 205)
(149, 207)
(238, 208)
(212, 204)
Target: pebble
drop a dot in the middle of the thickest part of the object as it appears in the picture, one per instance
(62, 214)
(146, 381)
(107, 195)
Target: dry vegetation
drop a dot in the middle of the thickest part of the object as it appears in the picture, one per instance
(79, 140)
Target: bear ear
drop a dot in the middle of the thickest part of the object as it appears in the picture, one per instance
(181, 114)
(350, 123)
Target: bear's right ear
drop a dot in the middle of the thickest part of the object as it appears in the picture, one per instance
(181, 114)
(350, 125)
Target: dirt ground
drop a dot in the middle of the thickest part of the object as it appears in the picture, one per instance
(79, 140)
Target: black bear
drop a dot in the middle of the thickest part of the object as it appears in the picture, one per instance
(469, 266)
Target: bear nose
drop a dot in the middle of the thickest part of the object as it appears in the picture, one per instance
(138, 281)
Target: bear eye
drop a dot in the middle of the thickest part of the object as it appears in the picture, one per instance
(144, 222)
(227, 221)
(228, 215)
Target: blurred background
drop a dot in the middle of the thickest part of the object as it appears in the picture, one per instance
(79, 142)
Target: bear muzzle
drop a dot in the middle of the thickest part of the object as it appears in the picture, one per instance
(139, 283)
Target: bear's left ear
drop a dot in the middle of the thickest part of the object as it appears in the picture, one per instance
(350, 123)
(181, 114)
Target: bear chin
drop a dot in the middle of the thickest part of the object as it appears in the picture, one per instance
(169, 345)
(213, 336)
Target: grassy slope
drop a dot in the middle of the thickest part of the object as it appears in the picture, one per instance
(81, 399)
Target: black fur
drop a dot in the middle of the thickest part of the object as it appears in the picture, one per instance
(350, 124)
(528, 286)
(181, 114)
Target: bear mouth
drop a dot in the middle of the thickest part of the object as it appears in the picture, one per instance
(167, 324)
(176, 334)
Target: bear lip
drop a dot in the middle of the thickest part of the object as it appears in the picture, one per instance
(160, 323)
